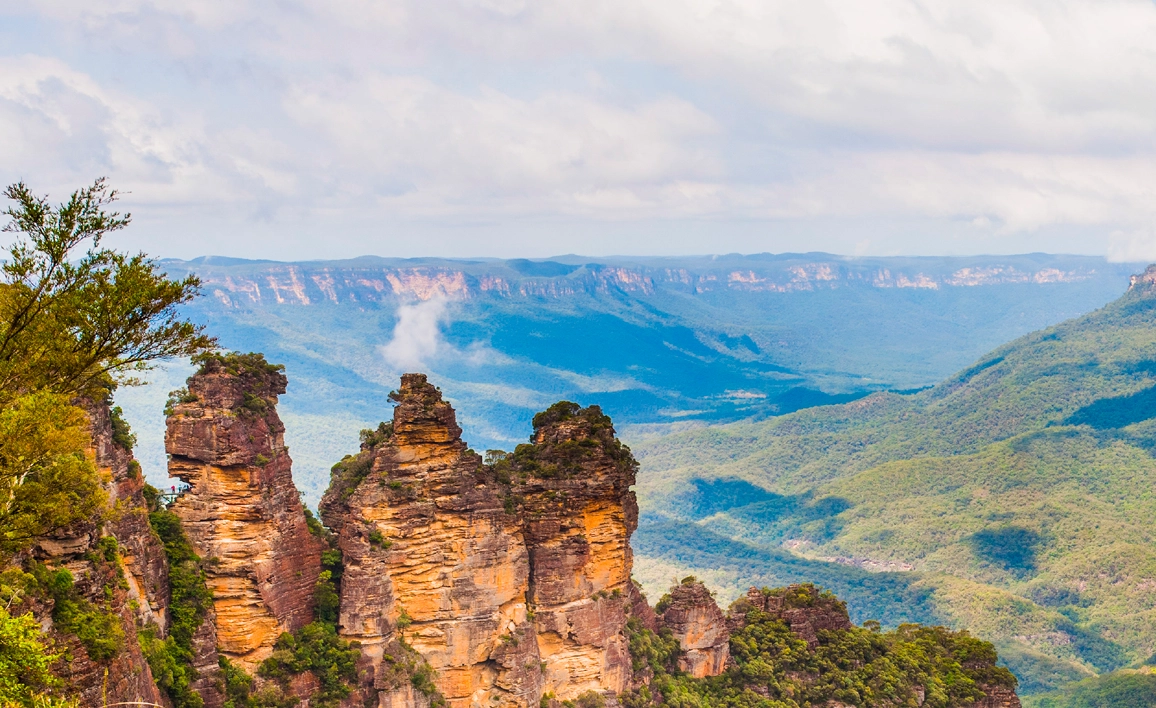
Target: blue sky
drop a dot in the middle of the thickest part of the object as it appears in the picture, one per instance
(306, 129)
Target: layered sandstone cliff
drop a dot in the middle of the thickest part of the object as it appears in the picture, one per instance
(695, 620)
(510, 579)
(571, 489)
(119, 576)
(242, 512)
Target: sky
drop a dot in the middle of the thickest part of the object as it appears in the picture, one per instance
(309, 129)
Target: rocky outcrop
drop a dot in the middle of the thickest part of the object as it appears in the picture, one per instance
(511, 579)
(695, 620)
(801, 607)
(432, 559)
(119, 575)
(571, 488)
(242, 512)
(997, 697)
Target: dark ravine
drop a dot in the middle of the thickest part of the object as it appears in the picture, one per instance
(453, 580)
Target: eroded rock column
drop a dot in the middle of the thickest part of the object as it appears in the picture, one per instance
(695, 620)
(432, 558)
(242, 512)
(572, 487)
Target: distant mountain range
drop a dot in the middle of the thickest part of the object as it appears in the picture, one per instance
(1013, 498)
(667, 341)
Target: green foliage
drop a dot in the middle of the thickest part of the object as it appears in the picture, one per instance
(121, 432)
(171, 658)
(551, 458)
(372, 437)
(97, 628)
(71, 322)
(252, 364)
(316, 528)
(1116, 690)
(239, 691)
(859, 666)
(72, 325)
(316, 648)
(46, 479)
(346, 476)
(590, 699)
(26, 679)
(403, 663)
(177, 397)
(378, 540)
(326, 598)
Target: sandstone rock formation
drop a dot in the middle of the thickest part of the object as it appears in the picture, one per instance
(571, 487)
(127, 580)
(242, 511)
(998, 697)
(511, 579)
(825, 613)
(695, 620)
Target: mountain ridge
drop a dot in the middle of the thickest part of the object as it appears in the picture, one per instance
(1012, 484)
(657, 353)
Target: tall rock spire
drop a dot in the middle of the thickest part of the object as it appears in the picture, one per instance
(242, 511)
(433, 559)
(512, 579)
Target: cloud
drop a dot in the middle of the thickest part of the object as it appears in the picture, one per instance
(503, 127)
(1133, 246)
(417, 335)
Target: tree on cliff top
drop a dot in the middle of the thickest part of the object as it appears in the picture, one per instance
(73, 322)
(72, 325)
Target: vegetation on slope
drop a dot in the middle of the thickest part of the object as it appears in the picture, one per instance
(1017, 492)
(1115, 690)
(76, 321)
(171, 657)
(861, 666)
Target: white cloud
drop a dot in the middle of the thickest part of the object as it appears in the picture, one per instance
(375, 122)
(417, 335)
(1132, 246)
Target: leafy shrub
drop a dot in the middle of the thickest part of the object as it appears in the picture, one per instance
(25, 661)
(236, 363)
(177, 397)
(171, 658)
(121, 432)
(346, 476)
(315, 648)
(98, 629)
(371, 438)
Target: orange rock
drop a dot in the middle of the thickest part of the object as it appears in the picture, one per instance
(509, 582)
(242, 512)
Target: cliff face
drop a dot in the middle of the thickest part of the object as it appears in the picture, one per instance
(571, 488)
(511, 579)
(431, 555)
(119, 571)
(695, 620)
(242, 512)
